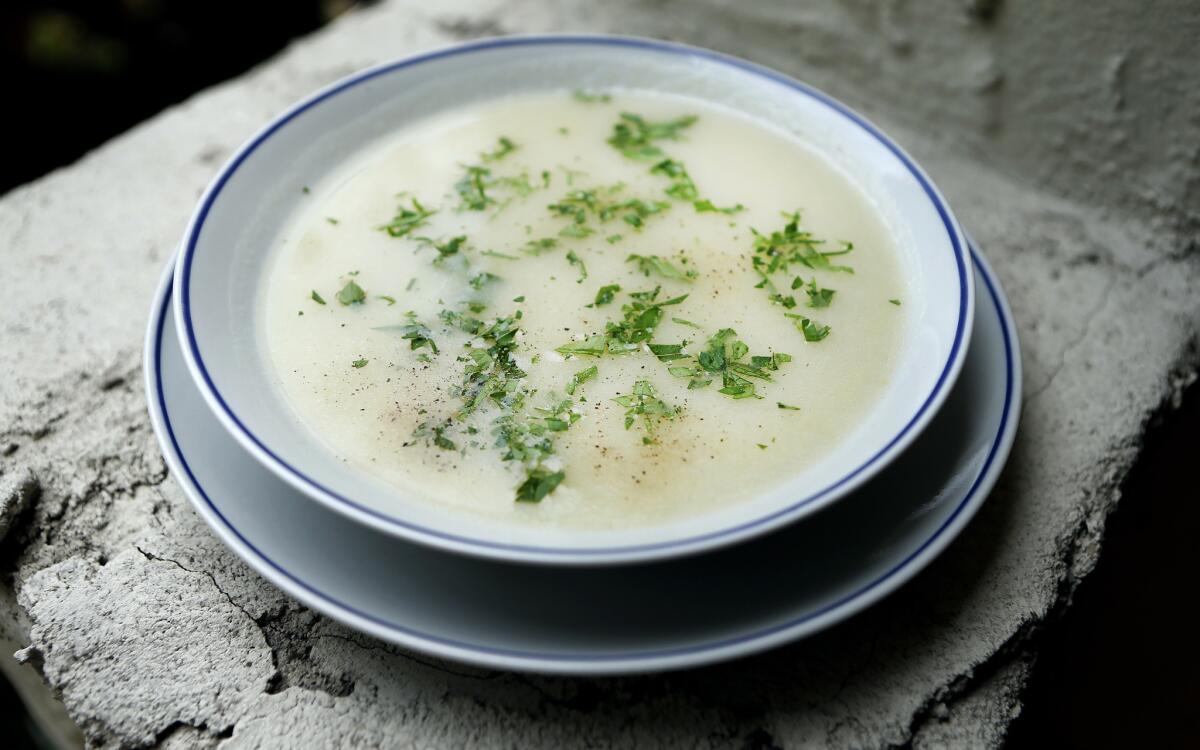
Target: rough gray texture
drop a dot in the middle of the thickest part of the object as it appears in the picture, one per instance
(1074, 165)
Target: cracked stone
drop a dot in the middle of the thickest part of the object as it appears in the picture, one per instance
(137, 648)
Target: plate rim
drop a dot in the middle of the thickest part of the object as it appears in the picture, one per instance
(617, 554)
(641, 661)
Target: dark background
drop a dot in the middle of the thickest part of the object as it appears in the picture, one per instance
(1118, 669)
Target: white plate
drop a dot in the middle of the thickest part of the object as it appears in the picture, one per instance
(251, 199)
(654, 616)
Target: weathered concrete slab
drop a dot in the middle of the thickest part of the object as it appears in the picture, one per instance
(1073, 171)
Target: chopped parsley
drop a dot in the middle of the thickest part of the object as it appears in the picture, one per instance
(895, 302)
(778, 251)
(438, 433)
(351, 294)
(704, 205)
(579, 205)
(648, 264)
(782, 405)
(538, 483)
(519, 299)
(416, 333)
(634, 136)
(578, 231)
(574, 260)
(581, 377)
(387, 298)
(479, 280)
(818, 296)
(317, 298)
(537, 247)
(812, 330)
(472, 189)
(725, 358)
(791, 245)
(643, 403)
(494, 254)
(603, 296)
(331, 220)
(588, 97)
(683, 322)
(682, 188)
(504, 147)
(641, 317)
(358, 364)
(446, 249)
(407, 219)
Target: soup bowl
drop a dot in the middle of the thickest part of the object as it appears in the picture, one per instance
(226, 248)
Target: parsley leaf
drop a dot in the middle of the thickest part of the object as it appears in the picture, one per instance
(704, 205)
(351, 294)
(587, 97)
(504, 147)
(634, 136)
(407, 219)
(603, 296)
(648, 264)
(317, 298)
(574, 260)
(643, 402)
(359, 363)
(812, 330)
(481, 279)
(581, 377)
(538, 483)
(472, 189)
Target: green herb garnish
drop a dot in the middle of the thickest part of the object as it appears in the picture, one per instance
(537, 247)
(317, 298)
(407, 219)
(438, 433)
(580, 377)
(387, 298)
(782, 405)
(494, 254)
(812, 330)
(358, 364)
(538, 483)
(634, 136)
(574, 260)
(588, 97)
(472, 189)
(504, 147)
(725, 357)
(605, 294)
(479, 280)
(351, 294)
(446, 249)
(895, 302)
(643, 402)
(704, 205)
(648, 264)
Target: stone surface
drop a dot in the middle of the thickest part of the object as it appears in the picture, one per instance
(1074, 165)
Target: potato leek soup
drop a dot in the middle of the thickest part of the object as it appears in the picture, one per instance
(592, 310)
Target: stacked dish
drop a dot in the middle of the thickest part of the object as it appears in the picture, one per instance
(526, 465)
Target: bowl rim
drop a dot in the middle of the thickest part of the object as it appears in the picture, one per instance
(530, 553)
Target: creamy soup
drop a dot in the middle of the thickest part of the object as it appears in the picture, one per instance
(588, 310)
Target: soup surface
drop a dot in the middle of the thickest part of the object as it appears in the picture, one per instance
(589, 310)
